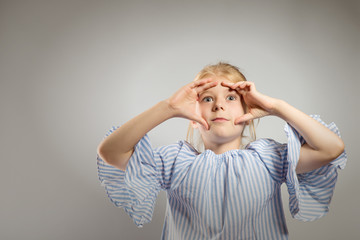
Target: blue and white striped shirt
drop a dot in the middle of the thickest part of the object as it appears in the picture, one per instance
(234, 195)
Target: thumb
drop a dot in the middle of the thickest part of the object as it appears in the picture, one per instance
(244, 118)
(201, 121)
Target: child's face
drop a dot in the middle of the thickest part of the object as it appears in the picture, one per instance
(220, 106)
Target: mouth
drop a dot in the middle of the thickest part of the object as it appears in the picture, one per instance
(219, 120)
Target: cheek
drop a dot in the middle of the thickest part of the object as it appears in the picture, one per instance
(242, 111)
(198, 109)
(202, 109)
(239, 109)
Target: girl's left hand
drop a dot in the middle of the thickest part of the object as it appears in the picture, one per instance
(259, 105)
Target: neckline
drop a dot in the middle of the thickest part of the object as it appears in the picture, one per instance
(232, 152)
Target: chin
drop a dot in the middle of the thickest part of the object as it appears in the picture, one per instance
(222, 137)
(220, 134)
(227, 132)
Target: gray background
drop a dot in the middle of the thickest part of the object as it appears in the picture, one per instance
(70, 70)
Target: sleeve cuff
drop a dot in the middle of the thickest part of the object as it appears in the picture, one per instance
(310, 193)
(126, 189)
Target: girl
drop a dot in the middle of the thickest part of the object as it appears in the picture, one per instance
(227, 191)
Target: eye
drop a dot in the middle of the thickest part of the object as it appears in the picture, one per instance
(207, 99)
(231, 98)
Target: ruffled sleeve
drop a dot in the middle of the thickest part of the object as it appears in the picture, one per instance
(136, 189)
(310, 193)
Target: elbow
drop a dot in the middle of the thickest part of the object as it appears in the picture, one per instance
(337, 149)
(102, 153)
(110, 158)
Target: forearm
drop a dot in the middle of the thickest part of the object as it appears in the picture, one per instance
(117, 148)
(316, 135)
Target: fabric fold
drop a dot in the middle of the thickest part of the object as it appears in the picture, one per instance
(310, 193)
(136, 189)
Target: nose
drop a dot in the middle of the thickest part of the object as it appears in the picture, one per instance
(218, 106)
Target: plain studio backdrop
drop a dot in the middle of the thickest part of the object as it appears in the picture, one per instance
(70, 70)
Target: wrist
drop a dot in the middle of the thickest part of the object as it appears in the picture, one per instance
(278, 107)
(168, 109)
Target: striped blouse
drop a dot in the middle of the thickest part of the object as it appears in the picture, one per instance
(234, 195)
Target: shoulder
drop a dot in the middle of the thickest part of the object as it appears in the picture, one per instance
(266, 147)
(272, 154)
(262, 143)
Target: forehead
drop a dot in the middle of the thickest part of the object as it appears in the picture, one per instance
(218, 89)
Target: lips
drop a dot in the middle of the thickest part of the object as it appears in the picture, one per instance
(219, 119)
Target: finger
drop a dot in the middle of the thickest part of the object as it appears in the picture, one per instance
(232, 85)
(205, 87)
(200, 82)
(227, 84)
(247, 85)
(202, 122)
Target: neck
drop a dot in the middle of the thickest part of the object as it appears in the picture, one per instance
(219, 148)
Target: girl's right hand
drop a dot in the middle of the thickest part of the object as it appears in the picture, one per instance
(185, 100)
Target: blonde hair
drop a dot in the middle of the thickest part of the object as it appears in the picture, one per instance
(233, 74)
